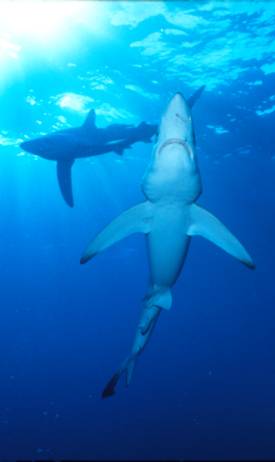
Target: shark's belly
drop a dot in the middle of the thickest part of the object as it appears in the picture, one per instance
(168, 244)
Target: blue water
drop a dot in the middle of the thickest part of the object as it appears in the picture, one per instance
(205, 385)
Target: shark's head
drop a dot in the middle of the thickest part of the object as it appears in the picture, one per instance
(36, 146)
(53, 147)
(174, 171)
(176, 135)
(176, 124)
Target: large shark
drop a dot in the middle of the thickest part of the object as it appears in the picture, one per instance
(169, 217)
(65, 146)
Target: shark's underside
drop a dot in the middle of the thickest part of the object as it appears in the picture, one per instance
(169, 218)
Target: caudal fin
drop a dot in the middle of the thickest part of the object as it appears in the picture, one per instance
(145, 328)
(64, 176)
(110, 388)
(127, 369)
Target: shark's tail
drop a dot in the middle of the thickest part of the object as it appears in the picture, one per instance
(146, 326)
(127, 368)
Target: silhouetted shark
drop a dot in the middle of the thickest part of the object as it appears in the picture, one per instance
(65, 146)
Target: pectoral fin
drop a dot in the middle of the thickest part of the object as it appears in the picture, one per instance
(137, 219)
(64, 176)
(207, 225)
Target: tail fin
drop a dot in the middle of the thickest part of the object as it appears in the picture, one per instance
(193, 99)
(109, 390)
(64, 176)
(146, 326)
(126, 368)
(130, 369)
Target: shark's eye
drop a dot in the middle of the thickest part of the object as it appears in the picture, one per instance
(180, 117)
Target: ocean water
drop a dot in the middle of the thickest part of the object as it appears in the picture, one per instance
(204, 388)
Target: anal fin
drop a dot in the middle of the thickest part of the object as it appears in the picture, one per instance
(159, 297)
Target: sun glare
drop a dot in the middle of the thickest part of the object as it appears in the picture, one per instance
(45, 20)
(48, 28)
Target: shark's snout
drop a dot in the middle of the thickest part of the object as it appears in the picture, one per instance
(176, 121)
(177, 107)
(178, 98)
(24, 145)
(30, 146)
(38, 146)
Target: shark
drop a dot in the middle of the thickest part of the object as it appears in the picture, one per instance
(169, 218)
(65, 146)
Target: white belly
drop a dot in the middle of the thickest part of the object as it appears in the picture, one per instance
(168, 243)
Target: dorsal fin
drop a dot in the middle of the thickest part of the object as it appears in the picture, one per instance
(89, 123)
(192, 100)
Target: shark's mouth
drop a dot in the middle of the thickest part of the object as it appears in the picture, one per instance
(176, 141)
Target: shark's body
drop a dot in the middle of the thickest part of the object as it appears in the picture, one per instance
(65, 146)
(169, 217)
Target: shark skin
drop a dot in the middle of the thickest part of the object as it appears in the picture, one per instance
(65, 146)
(169, 218)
